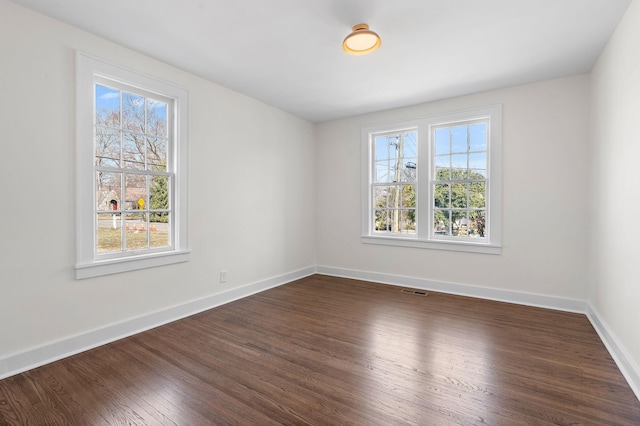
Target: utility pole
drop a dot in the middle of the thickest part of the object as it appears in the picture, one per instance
(399, 144)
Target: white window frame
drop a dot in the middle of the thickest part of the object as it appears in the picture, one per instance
(89, 71)
(424, 236)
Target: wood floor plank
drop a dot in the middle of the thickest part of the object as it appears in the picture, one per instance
(189, 391)
(328, 351)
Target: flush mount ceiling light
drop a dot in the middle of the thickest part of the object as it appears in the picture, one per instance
(361, 41)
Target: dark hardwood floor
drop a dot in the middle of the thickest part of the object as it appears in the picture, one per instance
(333, 351)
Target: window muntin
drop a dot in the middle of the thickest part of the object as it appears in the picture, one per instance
(452, 201)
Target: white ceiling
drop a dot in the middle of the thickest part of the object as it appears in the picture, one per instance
(287, 53)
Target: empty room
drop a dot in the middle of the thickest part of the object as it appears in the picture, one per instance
(312, 212)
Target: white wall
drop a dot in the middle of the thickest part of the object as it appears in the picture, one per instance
(251, 209)
(615, 185)
(544, 196)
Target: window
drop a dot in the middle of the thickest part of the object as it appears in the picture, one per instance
(434, 182)
(131, 170)
(394, 183)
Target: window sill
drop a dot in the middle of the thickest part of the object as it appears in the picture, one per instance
(469, 247)
(115, 266)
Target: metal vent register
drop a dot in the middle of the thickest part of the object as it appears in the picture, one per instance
(414, 291)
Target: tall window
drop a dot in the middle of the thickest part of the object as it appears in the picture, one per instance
(394, 183)
(460, 179)
(434, 182)
(133, 181)
(131, 170)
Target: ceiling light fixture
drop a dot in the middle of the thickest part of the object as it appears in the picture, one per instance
(361, 41)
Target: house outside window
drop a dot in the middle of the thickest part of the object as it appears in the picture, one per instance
(131, 144)
(434, 182)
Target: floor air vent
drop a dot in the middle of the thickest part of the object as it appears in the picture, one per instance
(414, 291)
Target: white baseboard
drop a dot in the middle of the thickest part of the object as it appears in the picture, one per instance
(625, 363)
(520, 298)
(629, 369)
(41, 355)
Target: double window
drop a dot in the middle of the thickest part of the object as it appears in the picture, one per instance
(434, 182)
(131, 170)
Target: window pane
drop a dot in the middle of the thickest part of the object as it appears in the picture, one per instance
(133, 112)
(381, 220)
(134, 150)
(156, 118)
(443, 174)
(394, 145)
(397, 171)
(381, 196)
(159, 231)
(408, 171)
(108, 190)
(443, 141)
(459, 139)
(441, 195)
(459, 223)
(135, 192)
(385, 159)
(477, 195)
(407, 151)
(384, 148)
(478, 137)
(410, 140)
(156, 154)
(408, 196)
(135, 231)
(459, 166)
(159, 194)
(459, 195)
(406, 221)
(107, 147)
(109, 233)
(107, 106)
(443, 166)
(383, 171)
(442, 222)
(478, 165)
(477, 223)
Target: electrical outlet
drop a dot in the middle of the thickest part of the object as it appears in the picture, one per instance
(223, 276)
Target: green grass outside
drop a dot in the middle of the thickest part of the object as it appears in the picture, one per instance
(110, 240)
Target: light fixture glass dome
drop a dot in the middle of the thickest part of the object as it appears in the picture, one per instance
(361, 41)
